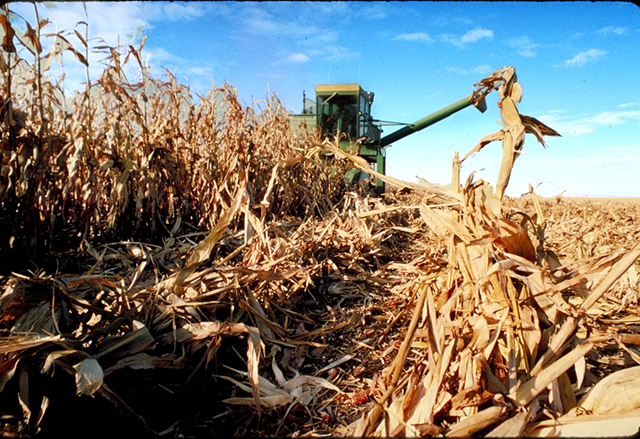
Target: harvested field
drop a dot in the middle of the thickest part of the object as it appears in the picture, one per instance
(184, 269)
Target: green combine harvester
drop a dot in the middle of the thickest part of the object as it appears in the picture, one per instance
(344, 111)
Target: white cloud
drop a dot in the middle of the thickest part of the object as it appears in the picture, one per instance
(330, 9)
(110, 23)
(160, 54)
(113, 23)
(472, 36)
(315, 52)
(484, 69)
(183, 11)
(613, 118)
(627, 104)
(612, 30)
(583, 58)
(198, 72)
(327, 52)
(457, 70)
(524, 45)
(257, 20)
(589, 124)
(449, 20)
(333, 53)
(297, 58)
(418, 36)
(316, 37)
(199, 78)
(373, 11)
(477, 34)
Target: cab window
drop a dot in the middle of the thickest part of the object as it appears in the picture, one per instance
(338, 114)
(363, 126)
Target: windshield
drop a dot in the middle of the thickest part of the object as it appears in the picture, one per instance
(338, 114)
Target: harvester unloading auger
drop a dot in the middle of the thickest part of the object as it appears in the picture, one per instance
(343, 111)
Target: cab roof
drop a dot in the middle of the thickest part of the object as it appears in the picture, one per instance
(330, 88)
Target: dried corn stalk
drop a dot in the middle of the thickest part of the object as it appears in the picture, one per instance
(515, 124)
(425, 312)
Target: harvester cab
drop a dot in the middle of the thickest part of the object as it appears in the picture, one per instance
(346, 109)
(343, 111)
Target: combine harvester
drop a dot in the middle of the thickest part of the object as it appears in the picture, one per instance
(344, 111)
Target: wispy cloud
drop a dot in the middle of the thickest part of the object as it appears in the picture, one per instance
(318, 37)
(184, 11)
(198, 72)
(297, 58)
(583, 58)
(457, 70)
(125, 22)
(110, 23)
(524, 46)
(372, 11)
(448, 20)
(160, 54)
(612, 30)
(471, 36)
(589, 124)
(609, 118)
(477, 34)
(257, 20)
(328, 9)
(418, 36)
(484, 69)
(334, 53)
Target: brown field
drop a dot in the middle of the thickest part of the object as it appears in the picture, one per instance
(191, 268)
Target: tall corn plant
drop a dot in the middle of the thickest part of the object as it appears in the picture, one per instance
(129, 160)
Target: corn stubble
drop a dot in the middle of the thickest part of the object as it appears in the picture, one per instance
(199, 226)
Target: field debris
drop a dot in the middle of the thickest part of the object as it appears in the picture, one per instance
(193, 269)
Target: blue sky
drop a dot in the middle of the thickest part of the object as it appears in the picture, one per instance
(577, 62)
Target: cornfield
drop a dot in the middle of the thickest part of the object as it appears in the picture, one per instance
(183, 268)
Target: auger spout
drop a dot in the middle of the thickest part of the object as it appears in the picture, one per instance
(435, 118)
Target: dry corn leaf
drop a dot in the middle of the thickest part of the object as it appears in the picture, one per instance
(301, 388)
(204, 248)
(532, 388)
(618, 426)
(89, 376)
(514, 426)
(617, 393)
(332, 273)
(143, 360)
(22, 342)
(135, 341)
(468, 426)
